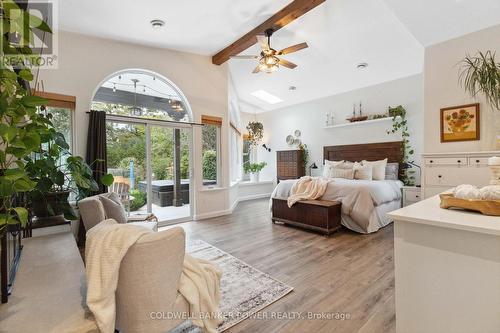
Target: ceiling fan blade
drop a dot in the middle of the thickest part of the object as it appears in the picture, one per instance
(293, 48)
(262, 40)
(244, 57)
(287, 64)
(256, 70)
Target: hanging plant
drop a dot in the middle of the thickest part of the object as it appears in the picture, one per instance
(481, 74)
(399, 123)
(255, 132)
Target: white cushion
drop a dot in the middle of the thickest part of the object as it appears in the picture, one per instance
(328, 165)
(363, 172)
(150, 225)
(113, 207)
(378, 168)
(341, 173)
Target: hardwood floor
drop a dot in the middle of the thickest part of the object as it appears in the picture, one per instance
(346, 273)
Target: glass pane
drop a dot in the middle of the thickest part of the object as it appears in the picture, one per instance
(170, 173)
(126, 148)
(140, 94)
(209, 151)
(61, 118)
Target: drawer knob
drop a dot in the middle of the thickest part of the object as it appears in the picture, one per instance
(431, 161)
(459, 161)
(439, 176)
(417, 196)
(477, 161)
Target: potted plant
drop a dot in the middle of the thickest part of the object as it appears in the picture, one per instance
(481, 74)
(254, 169)
(255, 132)
(58, 174)
(21, 128)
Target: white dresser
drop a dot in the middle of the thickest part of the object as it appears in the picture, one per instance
(442, 171)
(447, 268)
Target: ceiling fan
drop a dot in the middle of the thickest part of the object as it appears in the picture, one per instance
(268, 59)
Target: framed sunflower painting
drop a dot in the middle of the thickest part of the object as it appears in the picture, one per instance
(460, 123)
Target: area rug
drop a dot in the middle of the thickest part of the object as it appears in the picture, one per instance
(245, 290)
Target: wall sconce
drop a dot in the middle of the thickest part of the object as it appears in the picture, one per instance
(266, 148)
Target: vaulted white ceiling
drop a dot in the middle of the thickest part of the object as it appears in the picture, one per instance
(389, 35)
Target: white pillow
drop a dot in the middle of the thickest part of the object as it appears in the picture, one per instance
(113, 207)
(378, 168)
(341, 173)
(328, 165)
(363, 172)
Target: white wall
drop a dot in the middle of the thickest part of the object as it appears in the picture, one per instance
(85, 61)
(309, 118)
(442, 89)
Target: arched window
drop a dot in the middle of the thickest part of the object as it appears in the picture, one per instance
(141, 93)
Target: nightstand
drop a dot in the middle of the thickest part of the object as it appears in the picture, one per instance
(411, 194)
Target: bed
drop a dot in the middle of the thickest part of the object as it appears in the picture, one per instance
(364, 202)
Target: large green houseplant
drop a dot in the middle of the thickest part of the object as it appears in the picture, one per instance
(57, 174)
(481, 74)
(29, 144)
(21, 128)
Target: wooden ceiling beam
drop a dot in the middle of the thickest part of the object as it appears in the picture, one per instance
(294, 10)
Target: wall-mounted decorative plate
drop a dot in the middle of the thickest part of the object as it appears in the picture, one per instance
(297, 133)
(290, 140)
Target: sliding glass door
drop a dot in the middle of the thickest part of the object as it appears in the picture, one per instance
(151, 165)
(170, 172)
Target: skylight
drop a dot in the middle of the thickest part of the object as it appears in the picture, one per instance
(266, 97)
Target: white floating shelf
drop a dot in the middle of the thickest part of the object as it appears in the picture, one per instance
(356, 123)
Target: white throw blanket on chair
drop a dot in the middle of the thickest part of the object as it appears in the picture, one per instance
(107, 244)
(307, 188)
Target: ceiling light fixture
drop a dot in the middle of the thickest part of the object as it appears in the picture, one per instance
(157, 24)
(266, 97)
(362, 65)
(292, 88)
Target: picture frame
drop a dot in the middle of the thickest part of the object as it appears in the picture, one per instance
(460, 123)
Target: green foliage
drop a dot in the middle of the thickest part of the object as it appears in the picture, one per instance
(21, 128)
(305, 154)
(254, 167)
(34, 156)
(481, 74)
(255, 132)
(139, 199)
(210, 165)
(400, 123)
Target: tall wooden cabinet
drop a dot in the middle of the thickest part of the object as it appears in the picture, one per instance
(289, 164)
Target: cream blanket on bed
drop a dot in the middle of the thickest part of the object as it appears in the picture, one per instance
(106, 245)
(307, 188)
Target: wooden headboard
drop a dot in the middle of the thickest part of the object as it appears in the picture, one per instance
(368, 151)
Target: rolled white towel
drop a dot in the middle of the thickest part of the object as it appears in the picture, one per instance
(490, 192)
(466, 191)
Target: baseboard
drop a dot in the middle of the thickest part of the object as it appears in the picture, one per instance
(210, 215)
(218, 213)
(255, 196)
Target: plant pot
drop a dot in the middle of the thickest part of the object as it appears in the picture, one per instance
(43, 216)
(254, 177)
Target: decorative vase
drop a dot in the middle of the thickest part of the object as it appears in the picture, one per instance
(254, 177)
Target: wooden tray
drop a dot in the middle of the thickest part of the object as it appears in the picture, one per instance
(486, 207)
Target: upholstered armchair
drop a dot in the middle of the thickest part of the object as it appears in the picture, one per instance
(108, 206)
(147, 297)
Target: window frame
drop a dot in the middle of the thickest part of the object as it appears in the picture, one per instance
(56, 100)
(217, 122)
